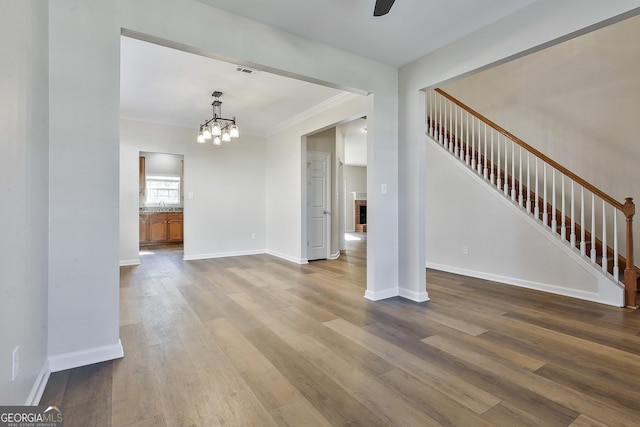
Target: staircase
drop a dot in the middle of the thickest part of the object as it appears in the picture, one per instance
(580, 214)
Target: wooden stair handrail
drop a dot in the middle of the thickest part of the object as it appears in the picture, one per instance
(537, 153)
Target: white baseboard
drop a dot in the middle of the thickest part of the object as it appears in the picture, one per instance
(538, 286)
(335, 256)
(76, 359)
(288, 257)
(223, 254)
(380, 295)
(413, 295)
(38, 387)
(128, 262)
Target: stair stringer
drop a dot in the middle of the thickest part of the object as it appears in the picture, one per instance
(562, 269)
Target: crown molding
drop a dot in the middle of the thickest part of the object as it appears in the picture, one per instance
(313, 111)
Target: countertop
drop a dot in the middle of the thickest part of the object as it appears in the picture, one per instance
(161, 209)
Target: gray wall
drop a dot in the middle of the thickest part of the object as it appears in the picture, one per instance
(24, 188)
(576, 102)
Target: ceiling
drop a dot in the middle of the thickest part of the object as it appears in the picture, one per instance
(169, 86)
(413, 28)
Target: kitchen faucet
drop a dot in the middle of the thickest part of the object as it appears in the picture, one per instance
(162, 203)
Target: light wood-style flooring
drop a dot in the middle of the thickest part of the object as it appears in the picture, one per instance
(258, 341)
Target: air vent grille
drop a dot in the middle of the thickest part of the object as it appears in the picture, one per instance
(246, 70)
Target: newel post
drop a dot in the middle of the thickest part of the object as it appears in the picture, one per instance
(630, 290)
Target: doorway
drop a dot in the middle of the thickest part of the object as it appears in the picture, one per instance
(161, 200)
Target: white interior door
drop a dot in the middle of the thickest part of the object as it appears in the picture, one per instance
(318, 205)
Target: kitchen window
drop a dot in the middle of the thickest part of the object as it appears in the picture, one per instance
(163, 189)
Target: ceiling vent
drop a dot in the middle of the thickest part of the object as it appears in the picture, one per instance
(246, 70)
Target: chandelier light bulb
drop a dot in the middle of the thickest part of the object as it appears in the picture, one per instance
(225, 136)
(234, 131)
(217, 140)
(215, 129)
(201, 139)
(206, 132)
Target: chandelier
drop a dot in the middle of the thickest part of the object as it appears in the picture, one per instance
(218, 128)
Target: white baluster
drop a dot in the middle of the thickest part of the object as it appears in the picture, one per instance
(616, 268)
(513, 171)
(536, 211)
(444, 130)
(430, 113)
(545, 215)
(467, 140)
(473, 142)
(456, 134)
(605, 264)
(486, 170)
(563, 226)
(573, 217)
(433, 115)
(583, 234)
(498, 172)
(521, 196)
(528, 184)
(554, 220)
(438, 130)
(460, 138)
(506, 167)
(479, 147)
(451, 136)
(492, 175)
(593, 229)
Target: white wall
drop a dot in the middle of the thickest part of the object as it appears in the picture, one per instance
(542, 22)
(83, 183)
(24, 188)
(162, 163)
(576, 102)
(356, 180)
(227, 182)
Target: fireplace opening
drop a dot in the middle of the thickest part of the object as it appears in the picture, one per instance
(363, 214)
(360, 216)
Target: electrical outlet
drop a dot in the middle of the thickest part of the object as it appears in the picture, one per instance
(465, 250)
(15, 363)
(383, 188)
(253, 236)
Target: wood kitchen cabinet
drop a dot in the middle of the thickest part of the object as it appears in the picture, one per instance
(174, 227)
(161, 227)
(158, 227)
(144, 229)
(142, 186)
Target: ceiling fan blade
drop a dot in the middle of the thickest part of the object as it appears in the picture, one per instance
(382, 7)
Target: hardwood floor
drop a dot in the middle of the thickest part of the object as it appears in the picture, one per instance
(256, 340)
